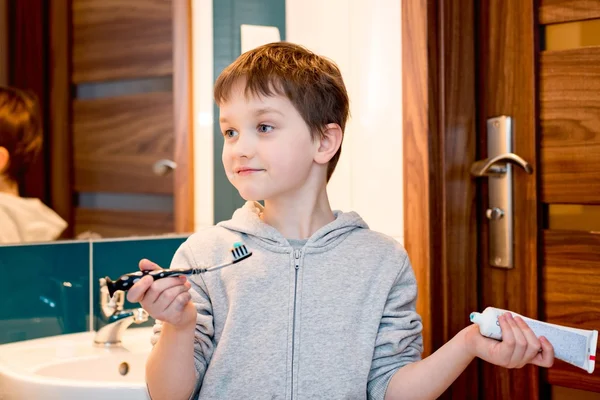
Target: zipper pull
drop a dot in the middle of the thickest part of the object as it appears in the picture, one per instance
(297, 257)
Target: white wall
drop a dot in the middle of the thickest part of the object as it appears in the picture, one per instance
(364, 38)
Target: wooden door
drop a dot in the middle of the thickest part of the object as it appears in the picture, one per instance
(554, 99)
(466, 61)
(506, 56)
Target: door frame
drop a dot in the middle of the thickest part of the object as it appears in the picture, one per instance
(183, 192)
(439, 146)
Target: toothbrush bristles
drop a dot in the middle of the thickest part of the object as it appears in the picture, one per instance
(240, 252)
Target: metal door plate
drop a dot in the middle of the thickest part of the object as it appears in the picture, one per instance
(500, 188)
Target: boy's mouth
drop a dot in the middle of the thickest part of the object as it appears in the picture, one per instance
(247, 171)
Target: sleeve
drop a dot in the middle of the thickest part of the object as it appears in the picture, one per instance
(399, 340)
(203, 337)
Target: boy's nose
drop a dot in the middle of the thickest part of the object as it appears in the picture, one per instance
(244, 146)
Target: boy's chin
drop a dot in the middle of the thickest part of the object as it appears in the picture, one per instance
(252, 198)
(248, 196)
(257, 194)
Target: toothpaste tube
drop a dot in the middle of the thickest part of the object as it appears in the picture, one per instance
(575, 346)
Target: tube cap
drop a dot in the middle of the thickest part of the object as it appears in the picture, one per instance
(476, 317)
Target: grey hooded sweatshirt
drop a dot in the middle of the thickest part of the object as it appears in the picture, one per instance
(333, 318)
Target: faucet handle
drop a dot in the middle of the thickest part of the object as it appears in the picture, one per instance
(110, 304)
(140, 315)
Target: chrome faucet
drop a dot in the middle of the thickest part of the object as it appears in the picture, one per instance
(118, 319)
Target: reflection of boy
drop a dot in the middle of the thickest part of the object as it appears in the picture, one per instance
(21, 219)
(325, 307)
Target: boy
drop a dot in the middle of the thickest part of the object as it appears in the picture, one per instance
(325, 307)
(21, 219)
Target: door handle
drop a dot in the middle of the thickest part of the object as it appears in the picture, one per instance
(490, 166)
(163, 167)
(498, 169)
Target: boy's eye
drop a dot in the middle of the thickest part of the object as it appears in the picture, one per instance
(230, 133)
(262, 128)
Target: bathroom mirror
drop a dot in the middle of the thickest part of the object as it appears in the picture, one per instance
(113, 106)
(113, 153)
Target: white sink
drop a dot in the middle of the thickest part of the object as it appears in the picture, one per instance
(69, 367)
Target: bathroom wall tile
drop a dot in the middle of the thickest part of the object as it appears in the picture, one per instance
(45, 289)
(114, 258)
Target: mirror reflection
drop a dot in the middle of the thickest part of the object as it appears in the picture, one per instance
(89, 118)
(24, 219)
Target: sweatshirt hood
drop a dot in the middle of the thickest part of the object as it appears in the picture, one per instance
(31, 219)
(247, 220)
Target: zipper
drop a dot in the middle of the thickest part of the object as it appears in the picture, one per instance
(297, 267)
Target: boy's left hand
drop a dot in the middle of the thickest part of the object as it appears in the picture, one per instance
(519, 345)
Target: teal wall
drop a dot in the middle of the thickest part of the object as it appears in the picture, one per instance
(45, 290)
(228, 15)
(46, 287)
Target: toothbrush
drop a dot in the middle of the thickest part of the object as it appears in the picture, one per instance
(239, 252)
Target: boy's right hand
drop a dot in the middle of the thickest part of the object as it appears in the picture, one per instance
(166, 299)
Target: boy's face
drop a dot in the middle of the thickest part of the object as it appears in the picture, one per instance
(268, 151)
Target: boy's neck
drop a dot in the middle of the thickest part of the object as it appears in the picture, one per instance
(9, 187)
(298, 218)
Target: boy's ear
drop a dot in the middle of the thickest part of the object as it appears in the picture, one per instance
(329, 143)
(4, 159)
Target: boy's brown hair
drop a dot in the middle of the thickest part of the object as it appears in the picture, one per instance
(20, 130)
(312, 83)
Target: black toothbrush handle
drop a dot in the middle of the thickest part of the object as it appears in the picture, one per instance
(125, 282)
(239, 252)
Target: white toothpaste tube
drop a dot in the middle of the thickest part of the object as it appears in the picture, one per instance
(575, 346)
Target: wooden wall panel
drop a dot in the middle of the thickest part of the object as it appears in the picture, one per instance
(4, 40)
(114, 223)
(116, 39)
(27, 66)
(553, 11)
(570, 125)
(117, 140)
(570, 281)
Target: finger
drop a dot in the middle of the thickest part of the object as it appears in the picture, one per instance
(167, 297)
(520, 343)
(179, 303)
(501, 351)
(506, 348)
(160, 285)
(139, 290)
(147, 265)
(546, 357)
(508, 338)
(533, 343)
